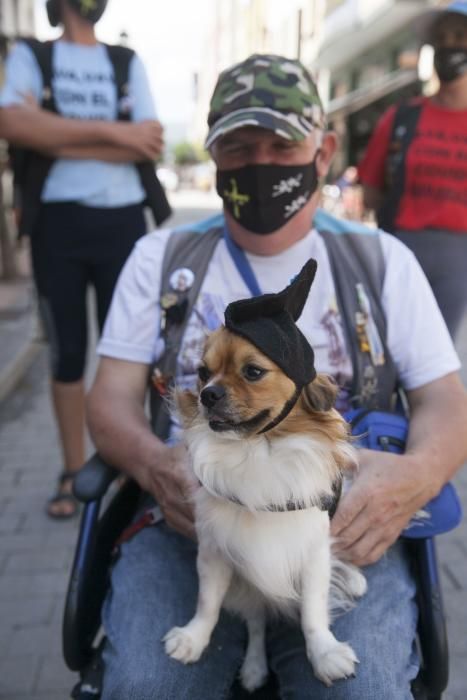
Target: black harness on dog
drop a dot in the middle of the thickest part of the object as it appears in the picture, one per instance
(326, 502)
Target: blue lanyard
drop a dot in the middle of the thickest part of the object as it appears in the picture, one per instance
(241, 263)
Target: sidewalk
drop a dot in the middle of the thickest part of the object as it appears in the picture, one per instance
(36, 553)
(18, 332)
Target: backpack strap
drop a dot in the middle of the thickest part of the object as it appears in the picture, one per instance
(43, 53)
(358, 269)
(31, 168)
(185, 249)
(403, 132)
(120, 58)
(156, 199)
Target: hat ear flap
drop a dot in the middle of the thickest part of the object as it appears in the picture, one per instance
(320, 394)
(296, 294)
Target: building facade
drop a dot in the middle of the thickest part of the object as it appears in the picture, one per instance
(369, 58)
(363, 54)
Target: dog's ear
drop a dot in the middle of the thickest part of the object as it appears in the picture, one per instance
(320, 394)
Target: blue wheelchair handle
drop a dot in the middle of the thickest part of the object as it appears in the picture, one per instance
(93, 480)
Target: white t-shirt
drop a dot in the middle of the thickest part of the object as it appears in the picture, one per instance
(417, 337)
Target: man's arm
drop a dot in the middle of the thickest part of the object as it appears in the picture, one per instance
(46, 132)
(124, 438)
(388, 488)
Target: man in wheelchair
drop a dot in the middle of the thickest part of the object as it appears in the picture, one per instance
(375, 327)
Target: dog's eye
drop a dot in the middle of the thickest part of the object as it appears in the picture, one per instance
(203, 373)
(253, 373)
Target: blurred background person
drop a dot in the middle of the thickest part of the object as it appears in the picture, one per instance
(85, 167)
(414, 171)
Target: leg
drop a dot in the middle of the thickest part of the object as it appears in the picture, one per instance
(115, 235)
(381, 629)
(330, 659)
(254, 670)
(187, 643)
(154, 587)
(61, 281)
(68, 401)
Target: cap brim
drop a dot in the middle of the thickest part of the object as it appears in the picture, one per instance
(289, 126)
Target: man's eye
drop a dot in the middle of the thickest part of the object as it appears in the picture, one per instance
(203, 373)
(252, 373)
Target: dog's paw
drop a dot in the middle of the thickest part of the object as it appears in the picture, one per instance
(181, 644)
(254, 672)
(334, 661)
(357, 585)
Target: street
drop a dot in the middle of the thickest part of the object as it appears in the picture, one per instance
(36, 553)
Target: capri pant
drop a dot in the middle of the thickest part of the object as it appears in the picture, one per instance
(74, 246)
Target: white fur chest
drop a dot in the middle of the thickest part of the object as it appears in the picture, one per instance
(267, 548)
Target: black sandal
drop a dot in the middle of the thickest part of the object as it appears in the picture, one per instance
(63, 497)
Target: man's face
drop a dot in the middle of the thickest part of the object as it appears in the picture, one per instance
(251, 145)
(450, 32)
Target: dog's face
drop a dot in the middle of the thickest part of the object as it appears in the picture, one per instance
(242, 390)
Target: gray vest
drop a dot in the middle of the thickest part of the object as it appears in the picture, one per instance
(355, 258)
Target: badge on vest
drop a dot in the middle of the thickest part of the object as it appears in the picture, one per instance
(181, 280)
(367, 333)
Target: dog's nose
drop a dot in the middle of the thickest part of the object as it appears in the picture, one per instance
(211, 395)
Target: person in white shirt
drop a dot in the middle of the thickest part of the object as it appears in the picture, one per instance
(268, 139)
(81, 164)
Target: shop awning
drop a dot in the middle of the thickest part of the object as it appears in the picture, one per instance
(357, 99)
(348, 34)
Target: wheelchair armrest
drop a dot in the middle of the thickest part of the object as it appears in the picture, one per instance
(93, 479)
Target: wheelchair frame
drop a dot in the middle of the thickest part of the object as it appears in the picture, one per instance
(93, 557)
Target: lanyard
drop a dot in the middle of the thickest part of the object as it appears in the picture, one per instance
(242, 264)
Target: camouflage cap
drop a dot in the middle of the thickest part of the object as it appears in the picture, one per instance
(268, 91)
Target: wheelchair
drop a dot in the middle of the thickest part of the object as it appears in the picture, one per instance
(90, 580)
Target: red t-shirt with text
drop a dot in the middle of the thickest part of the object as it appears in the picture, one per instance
(435, 192)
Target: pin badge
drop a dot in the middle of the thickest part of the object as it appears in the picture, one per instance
(160, 382)
(181, 280)
(168, 300)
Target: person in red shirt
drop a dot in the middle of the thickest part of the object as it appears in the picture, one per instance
(414, 172)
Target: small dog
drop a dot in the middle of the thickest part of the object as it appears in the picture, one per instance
(270, 452)
(255, 552)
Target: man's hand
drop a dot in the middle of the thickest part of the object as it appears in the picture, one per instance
(387, 490)
(172, 483)
(144, 138)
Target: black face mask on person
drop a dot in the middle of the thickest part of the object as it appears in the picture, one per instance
(90, 10)
(263, 198)
(450, 63)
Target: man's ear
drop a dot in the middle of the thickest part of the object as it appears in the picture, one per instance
(326, 153)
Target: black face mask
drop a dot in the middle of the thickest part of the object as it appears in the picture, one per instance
(263, 198)
(450, 63)
(90, 10)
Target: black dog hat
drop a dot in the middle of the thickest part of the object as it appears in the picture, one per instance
(268, 321)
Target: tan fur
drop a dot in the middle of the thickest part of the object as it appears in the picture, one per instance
(226, 354)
